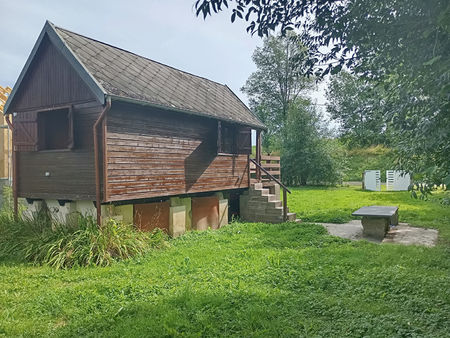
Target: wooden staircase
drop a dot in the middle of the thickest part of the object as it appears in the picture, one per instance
(259, 204)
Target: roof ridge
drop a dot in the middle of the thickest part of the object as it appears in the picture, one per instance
(144, 57)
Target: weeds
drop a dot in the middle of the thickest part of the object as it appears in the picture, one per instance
(78, 242)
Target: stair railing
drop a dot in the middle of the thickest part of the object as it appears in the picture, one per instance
(285, 189)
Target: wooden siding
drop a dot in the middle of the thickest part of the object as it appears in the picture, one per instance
(71, 177)
(72, 173)
(152, 153)
(50, 81)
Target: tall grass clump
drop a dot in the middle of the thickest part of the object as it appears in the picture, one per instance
(40, 239)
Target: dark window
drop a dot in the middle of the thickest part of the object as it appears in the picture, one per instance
(233, 139)
(55, 129)
(228, 139)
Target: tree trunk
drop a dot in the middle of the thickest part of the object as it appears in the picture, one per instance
(302, 180)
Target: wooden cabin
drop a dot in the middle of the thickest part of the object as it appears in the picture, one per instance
(94, 125)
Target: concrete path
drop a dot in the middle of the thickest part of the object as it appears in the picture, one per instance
(401, 234)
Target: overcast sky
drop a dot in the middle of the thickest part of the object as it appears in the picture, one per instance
(163, 30)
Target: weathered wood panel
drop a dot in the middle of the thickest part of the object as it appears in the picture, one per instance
(50, 81)
(72, 173)
(149, 216)
(152, 153)
(205, 213)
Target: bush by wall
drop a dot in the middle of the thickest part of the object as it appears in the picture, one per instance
(79, 242)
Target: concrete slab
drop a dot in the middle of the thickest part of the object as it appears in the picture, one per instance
(376, 211)
(407, 235)
(352, 230)
(401, 234)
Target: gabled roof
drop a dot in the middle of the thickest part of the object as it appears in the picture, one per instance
(125, 76)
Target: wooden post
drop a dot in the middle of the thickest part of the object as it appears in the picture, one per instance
(15, 165)
(219, 137)
(96, 161)
(258, 155)
(284, 205)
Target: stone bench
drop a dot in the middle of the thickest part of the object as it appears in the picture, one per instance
(377, 219)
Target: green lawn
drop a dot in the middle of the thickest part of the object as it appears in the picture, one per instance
(249, 280)
(335, 205)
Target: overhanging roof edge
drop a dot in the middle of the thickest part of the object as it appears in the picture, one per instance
(58, 41)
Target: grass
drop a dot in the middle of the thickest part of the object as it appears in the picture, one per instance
(370, 158)
(335, 205)
(245, 280)
(40, 239)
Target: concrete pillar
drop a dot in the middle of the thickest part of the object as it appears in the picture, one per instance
(86, 208)
(125, 212)
(375, 227)
(177, 221)
(223, 212)
(32, 209)
(186, 202)
(394, 218)
(59, 212)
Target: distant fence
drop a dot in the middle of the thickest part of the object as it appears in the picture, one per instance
(271, 164)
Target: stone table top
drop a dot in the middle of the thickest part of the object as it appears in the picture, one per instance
(376, 211)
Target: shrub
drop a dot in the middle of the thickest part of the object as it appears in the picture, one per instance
(79, 242)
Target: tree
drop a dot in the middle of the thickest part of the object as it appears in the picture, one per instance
(359, 108)
(307, 155)
(276, 93)
(403, 45)
(276, 83)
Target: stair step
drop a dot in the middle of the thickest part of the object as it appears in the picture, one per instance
(256, 186)
(291, 216)
(274, 204)
(260, 204)
(273, 198)
(260, 199)
(259, 192)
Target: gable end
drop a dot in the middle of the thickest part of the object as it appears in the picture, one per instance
(52, 77)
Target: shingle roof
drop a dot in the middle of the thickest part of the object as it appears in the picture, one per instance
(125, 75)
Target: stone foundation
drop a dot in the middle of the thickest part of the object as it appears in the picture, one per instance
(180, 212)
(375, 227)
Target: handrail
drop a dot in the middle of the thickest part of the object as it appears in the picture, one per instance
(270, 175)
(279, 183)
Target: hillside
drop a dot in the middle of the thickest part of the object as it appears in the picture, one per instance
(372, 158)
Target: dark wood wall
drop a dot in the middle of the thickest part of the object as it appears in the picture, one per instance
(50, 81)
(152, 153)
(72, 174)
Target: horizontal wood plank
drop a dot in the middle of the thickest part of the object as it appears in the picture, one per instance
(155, 153)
